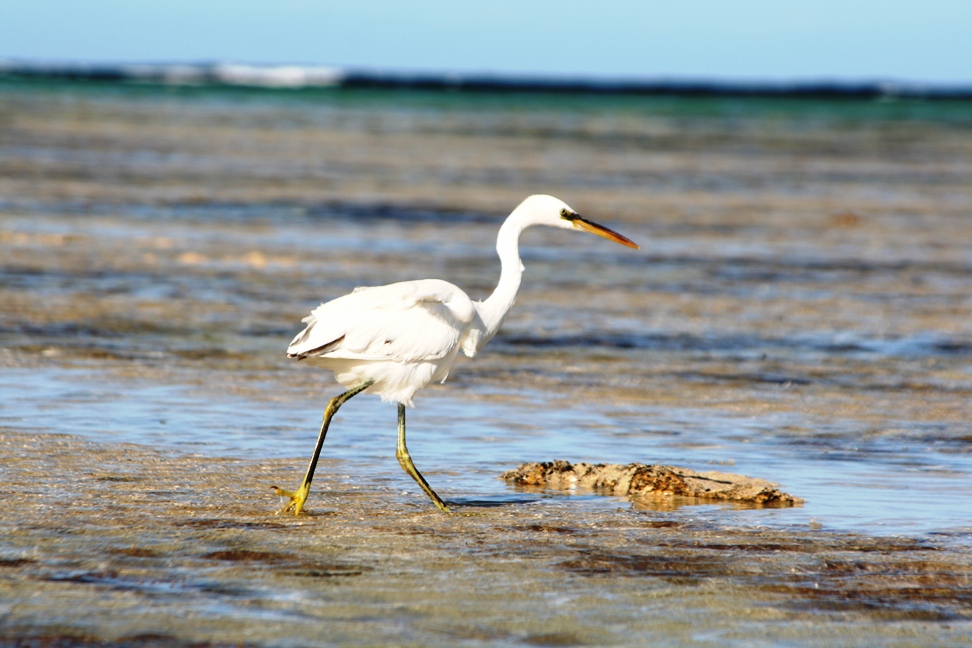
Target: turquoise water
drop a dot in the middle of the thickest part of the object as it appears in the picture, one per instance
(867, 111)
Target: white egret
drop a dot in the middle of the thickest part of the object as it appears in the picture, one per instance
(394, 340)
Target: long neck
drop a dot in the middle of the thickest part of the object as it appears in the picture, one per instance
(495, 308)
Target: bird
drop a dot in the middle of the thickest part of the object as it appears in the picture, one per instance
(393, 340)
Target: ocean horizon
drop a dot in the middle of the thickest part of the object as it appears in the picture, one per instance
(296, 77)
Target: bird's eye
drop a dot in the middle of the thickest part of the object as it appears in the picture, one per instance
(563, 213)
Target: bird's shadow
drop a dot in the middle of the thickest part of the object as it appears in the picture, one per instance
(492, 501)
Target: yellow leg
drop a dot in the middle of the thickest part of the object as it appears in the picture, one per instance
(299, 496)
(406, 461)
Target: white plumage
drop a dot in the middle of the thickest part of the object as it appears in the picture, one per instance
(394, 340)
(401, 336)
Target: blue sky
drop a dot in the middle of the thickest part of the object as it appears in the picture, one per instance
(926, 41)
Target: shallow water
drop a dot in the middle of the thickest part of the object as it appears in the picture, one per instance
(886, 485)
(800, 310)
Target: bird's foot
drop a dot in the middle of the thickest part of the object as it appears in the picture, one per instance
(439, 504)
(296, 499)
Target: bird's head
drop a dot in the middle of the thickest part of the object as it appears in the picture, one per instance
(553, 212)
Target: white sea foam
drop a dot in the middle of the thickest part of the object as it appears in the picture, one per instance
(284, 76)
(262, 76)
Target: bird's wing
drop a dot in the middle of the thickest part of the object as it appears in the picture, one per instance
(407, 321)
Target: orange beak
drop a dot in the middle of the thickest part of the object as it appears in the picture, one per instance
(600, 230)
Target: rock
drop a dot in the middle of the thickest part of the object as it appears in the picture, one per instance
(642, 479)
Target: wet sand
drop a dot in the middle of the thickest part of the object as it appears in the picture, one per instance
(148, 547)
(800, 313)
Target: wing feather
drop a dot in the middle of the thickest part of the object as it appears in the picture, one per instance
(406, 322)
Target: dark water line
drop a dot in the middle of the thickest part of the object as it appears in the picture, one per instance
(223, 211)
(216, 74)
(914, 347)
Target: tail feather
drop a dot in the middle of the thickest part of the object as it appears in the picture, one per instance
(298, 349)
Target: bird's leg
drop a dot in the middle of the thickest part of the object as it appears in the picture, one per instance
(298, 497)
(406, 461)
